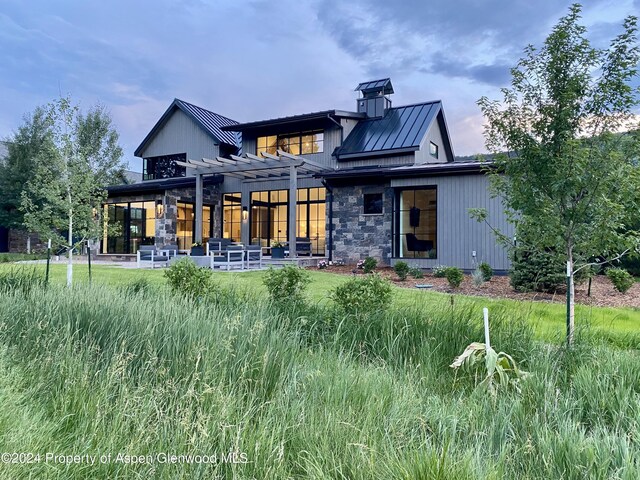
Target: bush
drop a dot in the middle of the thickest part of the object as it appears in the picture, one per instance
(362, 295)
(478, 277)
(286, 284)
(621, 279)
(454, 276)
(416, 272)
(186, 278)
(486, 270)
(402, 270)
(369, 264)
(439, 271)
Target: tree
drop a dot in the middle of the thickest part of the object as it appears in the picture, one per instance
(19, 166)
(67, 191)
(572, 178)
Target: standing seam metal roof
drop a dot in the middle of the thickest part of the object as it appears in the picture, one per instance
(401, 128)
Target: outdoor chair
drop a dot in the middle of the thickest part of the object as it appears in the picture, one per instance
(232, 257)
(303, 246)
(253, 256)
(216, 246)
(416, 245)
(170, 251)
(151, 255)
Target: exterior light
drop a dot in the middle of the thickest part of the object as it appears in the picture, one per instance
(159, 210)
(245, 213)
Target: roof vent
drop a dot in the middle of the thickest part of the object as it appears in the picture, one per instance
(375, 101)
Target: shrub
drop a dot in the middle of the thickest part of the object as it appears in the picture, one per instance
(478, 277)
(186, 278)
(454, 276)
(286, 284)
(21, 279)
(369, 264)
(486, 270)
(439, 271)
(402, 270)
(416, 272)
(621, 279)
(363, 295)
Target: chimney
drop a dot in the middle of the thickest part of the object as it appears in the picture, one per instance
(375, 99)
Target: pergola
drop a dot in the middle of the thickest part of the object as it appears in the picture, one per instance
(249, 167)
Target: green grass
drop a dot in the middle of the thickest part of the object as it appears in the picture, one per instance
(621, 325)
(302, 393)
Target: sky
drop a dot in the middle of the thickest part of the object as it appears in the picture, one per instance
(256, 59)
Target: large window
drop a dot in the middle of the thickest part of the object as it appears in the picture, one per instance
(135, 225)
(163, 167)
(270, 217)
(232, 216)
(295, 143)
(186, 225)
(415, 233)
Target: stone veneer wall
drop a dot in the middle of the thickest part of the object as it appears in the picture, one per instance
(18, 242)
(355, 235)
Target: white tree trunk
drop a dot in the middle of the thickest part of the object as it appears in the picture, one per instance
(70, 251)
(571, 325)
(29, 244)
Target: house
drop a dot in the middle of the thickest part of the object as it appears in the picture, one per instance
(379, 181)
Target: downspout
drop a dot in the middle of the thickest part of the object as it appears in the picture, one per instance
(330, 236)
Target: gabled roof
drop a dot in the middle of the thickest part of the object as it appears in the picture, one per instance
(402, 129)
(305, 117)
(210, 122)
(383, 85)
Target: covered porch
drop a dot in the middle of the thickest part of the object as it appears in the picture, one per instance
(282, 168)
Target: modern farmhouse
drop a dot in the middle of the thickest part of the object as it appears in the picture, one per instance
(380, 181)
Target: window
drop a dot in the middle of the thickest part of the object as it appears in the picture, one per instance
(154, 168)
(186, 224)
(232, 216)
(135, 223)
(295, 143)
(415, 219)
(372, 204)
(433, 149)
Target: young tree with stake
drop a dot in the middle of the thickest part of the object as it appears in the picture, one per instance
(568, 118)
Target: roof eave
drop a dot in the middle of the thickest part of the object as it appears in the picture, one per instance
(376, 153)
(241, 127)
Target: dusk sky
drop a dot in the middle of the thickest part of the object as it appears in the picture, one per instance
(252, 60)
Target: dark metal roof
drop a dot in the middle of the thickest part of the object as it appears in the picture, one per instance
(401, 129)
(240, 127)
(161, 185)
(430, 169)
(383, 85)
(211, 122)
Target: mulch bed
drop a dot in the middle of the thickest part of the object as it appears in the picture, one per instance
(602, 292)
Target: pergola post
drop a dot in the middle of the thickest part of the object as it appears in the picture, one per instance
(198, 209)
(293, 204)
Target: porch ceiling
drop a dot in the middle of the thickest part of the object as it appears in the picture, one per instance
(252, 166)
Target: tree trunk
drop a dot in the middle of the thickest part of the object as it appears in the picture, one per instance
(70, 251)
(571, 310)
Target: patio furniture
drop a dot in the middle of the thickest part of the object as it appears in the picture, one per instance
(169, 251)
(151, 255)
(215, 246)
(253, 256)
(232, 257)
(416, 245)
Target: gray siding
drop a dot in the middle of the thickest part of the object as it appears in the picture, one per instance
(182, 135)
(458, 234)
(406, 159)
(433, 135)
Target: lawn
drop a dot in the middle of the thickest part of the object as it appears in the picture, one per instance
(620, 324)
(265, 390)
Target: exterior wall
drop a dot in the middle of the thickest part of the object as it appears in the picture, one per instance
(18, 240)
(458, 234)
(355, 235)
(405, 159)
(434, 134)
(182, 135)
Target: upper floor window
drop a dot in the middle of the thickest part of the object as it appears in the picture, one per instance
(433, 149)
(154, 168)
(301, 143)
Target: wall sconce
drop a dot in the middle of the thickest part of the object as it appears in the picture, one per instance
(245, 213)
(159, 210)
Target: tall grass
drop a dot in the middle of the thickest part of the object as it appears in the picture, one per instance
(304, 392)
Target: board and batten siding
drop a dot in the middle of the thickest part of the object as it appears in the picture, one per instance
(458, 234)
(182, 135)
